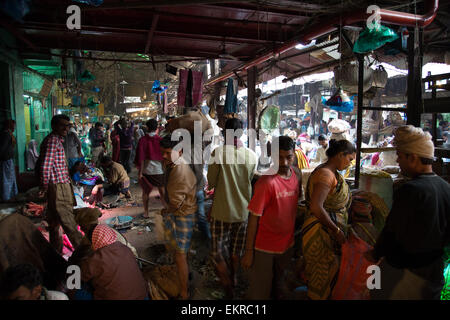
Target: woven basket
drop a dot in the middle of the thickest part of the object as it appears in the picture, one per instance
(347, 78)
(379, 77)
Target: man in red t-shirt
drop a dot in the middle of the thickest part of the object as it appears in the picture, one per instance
(270, 232)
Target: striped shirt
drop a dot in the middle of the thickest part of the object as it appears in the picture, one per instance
(54, 166)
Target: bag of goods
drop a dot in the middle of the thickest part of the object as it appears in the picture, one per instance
(338, 126)
(346, 77)
(165, 278)
(380, 77)
(361, 219)
(378, 182)
(396, 118)
(369, 126)
(379, 211)
(352, 279)
(391, 169)
(188, 120)
(373, 38)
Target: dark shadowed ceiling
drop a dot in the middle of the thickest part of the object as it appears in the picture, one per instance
(232, 31)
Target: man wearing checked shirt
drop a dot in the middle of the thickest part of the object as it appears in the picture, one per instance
(55, 183)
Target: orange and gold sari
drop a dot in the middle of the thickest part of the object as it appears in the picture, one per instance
(320, 250)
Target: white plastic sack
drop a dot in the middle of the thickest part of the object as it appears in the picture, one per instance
(338, 126)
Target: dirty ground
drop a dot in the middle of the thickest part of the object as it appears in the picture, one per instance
(147, 236)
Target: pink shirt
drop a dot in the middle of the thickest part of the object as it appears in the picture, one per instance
(275, 201)
(148, 149)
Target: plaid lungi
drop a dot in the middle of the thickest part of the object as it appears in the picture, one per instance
(228, 238)
(178, 231)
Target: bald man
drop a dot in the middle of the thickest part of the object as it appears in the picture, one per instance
(417, 229)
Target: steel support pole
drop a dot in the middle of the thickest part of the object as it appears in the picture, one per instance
(359, 118)
(251, 106)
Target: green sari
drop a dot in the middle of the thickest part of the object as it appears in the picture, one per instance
(320, 250)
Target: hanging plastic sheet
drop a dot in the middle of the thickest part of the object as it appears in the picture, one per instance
(205, 110)
(91, 103)
(372, 39)
(86, 77)
(339, 102)
(231, 98)
(157, 87)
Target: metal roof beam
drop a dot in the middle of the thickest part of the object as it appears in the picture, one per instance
(157, 3)
(238, 39)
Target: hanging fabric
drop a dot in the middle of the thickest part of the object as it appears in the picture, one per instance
(316, 109)
(231, 98)
(189, 85)
(196, 88)
(181, 96)
(165, 104)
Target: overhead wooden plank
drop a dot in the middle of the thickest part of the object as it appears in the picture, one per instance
(156, 3)
(151, 32)
(438, 105)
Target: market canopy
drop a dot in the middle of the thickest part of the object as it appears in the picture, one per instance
(236, 32)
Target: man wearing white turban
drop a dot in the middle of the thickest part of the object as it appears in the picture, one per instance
(418, 226)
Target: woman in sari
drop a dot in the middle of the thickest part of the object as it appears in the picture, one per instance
(328, 198)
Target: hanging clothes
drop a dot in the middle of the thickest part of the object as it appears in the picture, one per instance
(165, 104)
(194, 91)
(231, 97)
(32, 154)
(181, 96)
(316, 107)
(189, 85)
(197, 87)
(302, 160)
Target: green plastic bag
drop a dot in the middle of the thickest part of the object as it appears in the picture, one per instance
(445, 294)
(86, 76)
(372, 39)
(269, 119)
(91, 103)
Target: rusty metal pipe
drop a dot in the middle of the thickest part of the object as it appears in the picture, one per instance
(326, 26)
